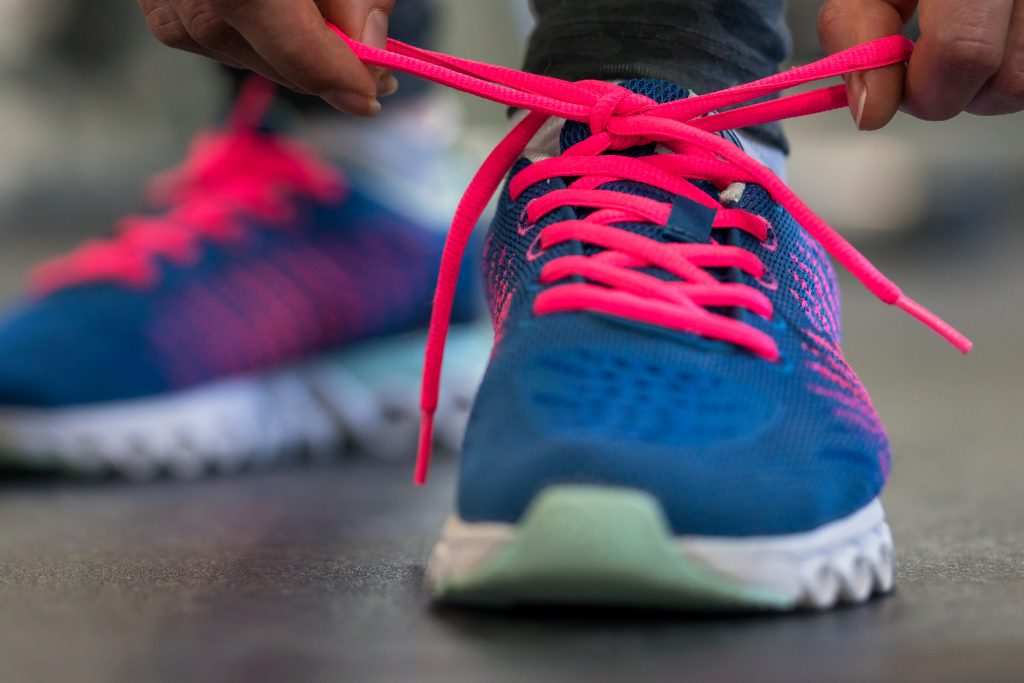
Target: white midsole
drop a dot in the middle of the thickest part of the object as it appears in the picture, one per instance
(315, 405)
(850, 557)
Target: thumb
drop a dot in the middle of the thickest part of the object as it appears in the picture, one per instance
(367, 22)
(875, 95)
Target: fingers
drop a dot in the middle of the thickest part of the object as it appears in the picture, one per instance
(970, 57)
(166, 26)
(1004, 92)
(292, 37)
(191, 26)
(366, 21)
(284, 40)
(875, 95)
(962, 46)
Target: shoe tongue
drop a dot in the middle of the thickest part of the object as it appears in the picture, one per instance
(661, 92)
(689, 221)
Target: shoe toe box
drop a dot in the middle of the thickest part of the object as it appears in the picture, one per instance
(728, 444)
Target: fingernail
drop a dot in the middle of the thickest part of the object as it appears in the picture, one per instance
(375, 30)
(375, 34)
(353, 103)
(388, 85)
(859, 98)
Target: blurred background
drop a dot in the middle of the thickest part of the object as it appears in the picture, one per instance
(90, 103)
(313, 572)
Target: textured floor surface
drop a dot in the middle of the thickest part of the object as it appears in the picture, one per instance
(315, 573)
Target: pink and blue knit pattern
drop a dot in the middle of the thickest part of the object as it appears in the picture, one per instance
(339, 272)
(730, 444)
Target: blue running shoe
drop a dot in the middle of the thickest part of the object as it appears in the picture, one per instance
(667, 419)
(214, 332)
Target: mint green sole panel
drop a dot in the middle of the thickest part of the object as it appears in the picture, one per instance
(604, 547)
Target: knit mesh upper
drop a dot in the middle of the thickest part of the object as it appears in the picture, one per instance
(730, 444)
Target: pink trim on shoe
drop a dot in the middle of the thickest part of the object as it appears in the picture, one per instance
(228, 174)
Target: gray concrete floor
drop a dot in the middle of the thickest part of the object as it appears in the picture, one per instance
(315, 573)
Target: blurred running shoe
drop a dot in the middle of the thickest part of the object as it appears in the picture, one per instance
(232, 325)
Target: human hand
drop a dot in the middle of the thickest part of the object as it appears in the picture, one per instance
(286, 41)
(970, 57)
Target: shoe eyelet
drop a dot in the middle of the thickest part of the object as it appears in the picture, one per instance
(768, 281)
(785, 364)
(771, 240)
(536, 250)
(532, 291)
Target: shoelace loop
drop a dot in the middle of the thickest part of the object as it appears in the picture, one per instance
(615, 101)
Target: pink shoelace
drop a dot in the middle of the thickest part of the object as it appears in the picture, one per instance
(620, 119)
(228, 174)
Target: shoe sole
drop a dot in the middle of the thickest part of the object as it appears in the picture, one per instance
(598, 546)
(363, 399)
